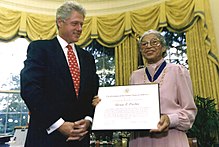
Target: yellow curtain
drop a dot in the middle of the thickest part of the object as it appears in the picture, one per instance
(203, 56)
(203, 71)
(109, 30)
(122, 30)
(126, 59)
(9, 23)
(43, 29)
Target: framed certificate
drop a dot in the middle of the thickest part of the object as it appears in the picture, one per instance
(133, 107)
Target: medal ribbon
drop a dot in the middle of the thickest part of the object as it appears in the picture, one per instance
(157, 74)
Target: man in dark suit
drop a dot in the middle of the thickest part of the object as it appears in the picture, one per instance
(59, 116)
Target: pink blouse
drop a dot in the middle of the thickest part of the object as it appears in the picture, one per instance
(176, 100)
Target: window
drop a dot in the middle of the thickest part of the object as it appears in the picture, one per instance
(177, 48)
(13, 111)
(104, 59)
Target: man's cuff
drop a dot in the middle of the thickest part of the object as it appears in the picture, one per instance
(88, 118)
(55, 126)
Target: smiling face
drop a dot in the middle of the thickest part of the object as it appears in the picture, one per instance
(151, 48)
(70, 29)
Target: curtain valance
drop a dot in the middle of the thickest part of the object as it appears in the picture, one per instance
(109, 30)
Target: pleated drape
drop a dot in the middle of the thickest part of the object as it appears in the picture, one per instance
(126, 56)
(122, 30)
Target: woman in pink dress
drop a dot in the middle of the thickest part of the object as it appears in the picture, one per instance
(178, 109)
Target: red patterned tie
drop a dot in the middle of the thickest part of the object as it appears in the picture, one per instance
(74, 68)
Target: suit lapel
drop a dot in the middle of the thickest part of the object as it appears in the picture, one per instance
(61, 63)
(60, 57)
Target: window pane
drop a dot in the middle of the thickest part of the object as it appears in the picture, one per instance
(3, 102)
(24, 107)
(13, 53)
(24, 119)
(13, 120)
(14, 103)
(2, 123)
(13, 112)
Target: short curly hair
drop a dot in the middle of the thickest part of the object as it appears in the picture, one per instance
(159, 36)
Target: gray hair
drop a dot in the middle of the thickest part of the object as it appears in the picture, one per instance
(158, 35)
(65, 10)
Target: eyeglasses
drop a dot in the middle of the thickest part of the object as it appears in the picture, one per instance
(153, 42)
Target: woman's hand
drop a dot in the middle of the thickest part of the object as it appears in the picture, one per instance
(95, 100)
(163, 124)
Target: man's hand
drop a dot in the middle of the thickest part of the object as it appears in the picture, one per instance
(163, 124)
(80, 130)
(66, 128)
(75, 130)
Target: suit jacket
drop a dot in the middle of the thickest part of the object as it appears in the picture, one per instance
(48, 91)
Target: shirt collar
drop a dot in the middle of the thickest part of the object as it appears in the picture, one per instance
(63, 43)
